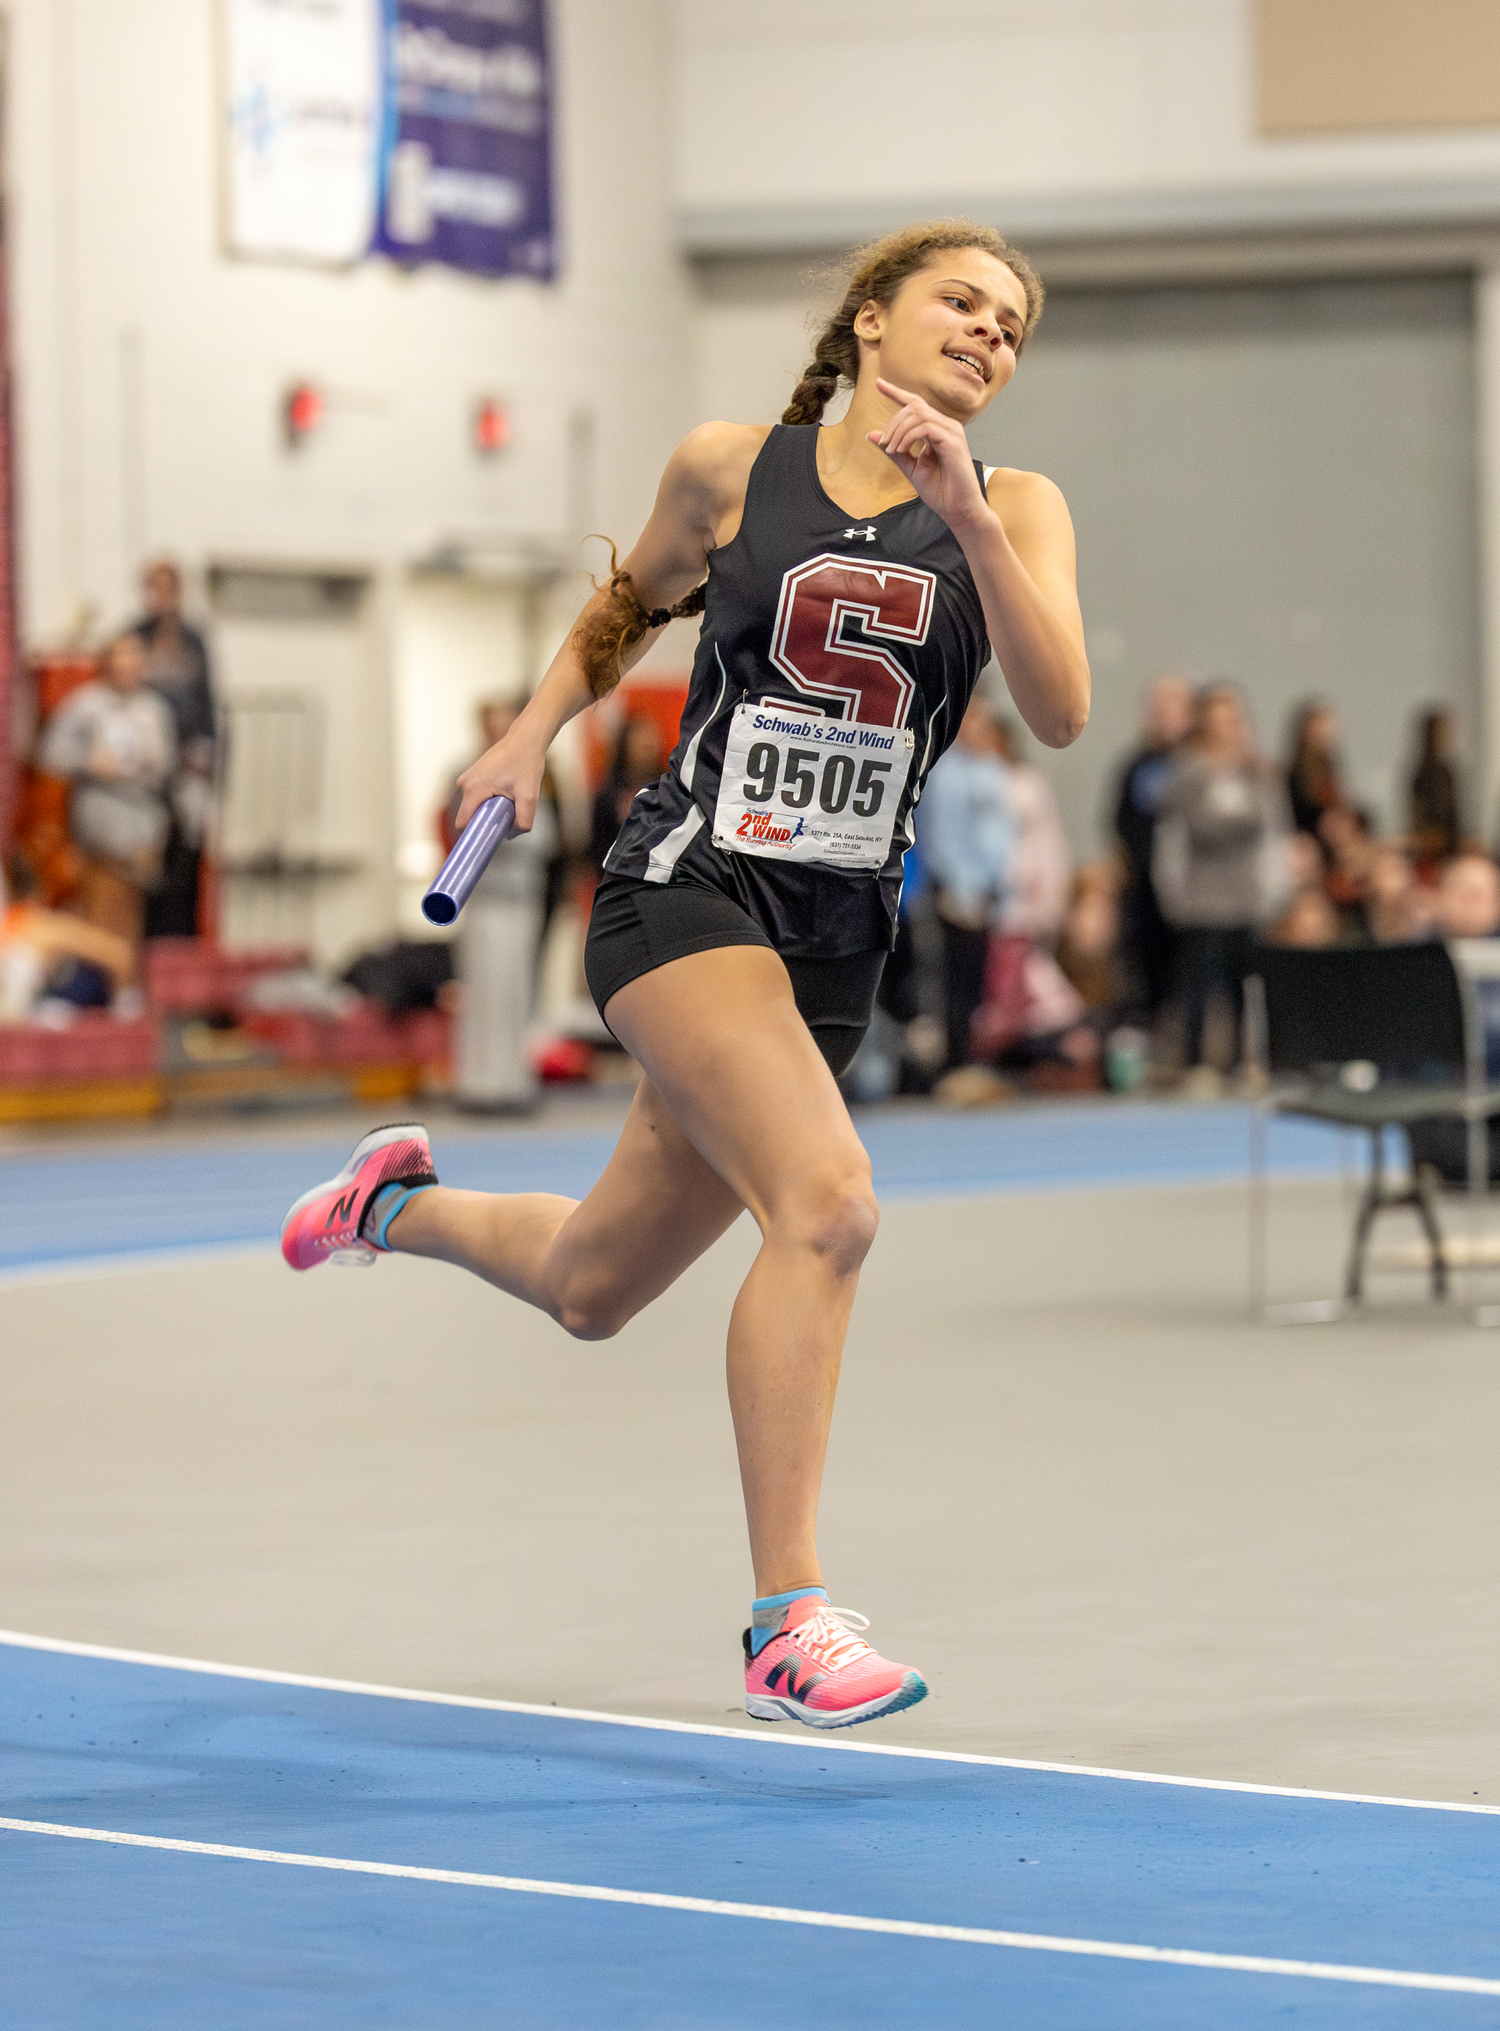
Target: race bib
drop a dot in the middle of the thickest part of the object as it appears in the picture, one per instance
(813, 790)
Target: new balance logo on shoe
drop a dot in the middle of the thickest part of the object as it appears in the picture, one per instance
(786, 1668)
(342, 1208)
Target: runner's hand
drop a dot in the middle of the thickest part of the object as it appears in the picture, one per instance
(932, 451)
(509, 769)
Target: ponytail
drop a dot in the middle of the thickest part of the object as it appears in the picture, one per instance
(879, 272)
(604, 635)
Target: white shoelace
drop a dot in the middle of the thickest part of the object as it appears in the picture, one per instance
(826, 1637)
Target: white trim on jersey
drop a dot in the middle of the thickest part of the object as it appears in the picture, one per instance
(690, 759)
(665, 856)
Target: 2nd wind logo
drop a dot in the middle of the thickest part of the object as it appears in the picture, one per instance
(765, 829)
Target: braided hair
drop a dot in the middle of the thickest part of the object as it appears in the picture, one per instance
(605, 634)
(879, 271)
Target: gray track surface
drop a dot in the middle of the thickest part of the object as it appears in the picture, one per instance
(1113, 1522)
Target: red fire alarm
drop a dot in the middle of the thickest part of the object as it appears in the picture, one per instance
(491, 426)
(302, 411)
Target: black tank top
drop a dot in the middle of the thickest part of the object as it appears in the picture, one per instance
(798, 584)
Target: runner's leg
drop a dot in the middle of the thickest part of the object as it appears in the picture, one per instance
(738, 1108)
(592, 1263)
(721, 1038)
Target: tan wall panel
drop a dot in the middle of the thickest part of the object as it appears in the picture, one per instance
(1339, 66)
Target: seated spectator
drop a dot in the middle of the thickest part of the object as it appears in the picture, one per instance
(114, 741)
(1032, 1014)
(51, 954)
(1398, 910)
(967, 850)
(1468, 906)
(1305, 865)
(1089, 949)
(1309, 919)
(1348, 847)
(1468, 897)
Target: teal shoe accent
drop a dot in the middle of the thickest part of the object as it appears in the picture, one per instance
(385, 1205)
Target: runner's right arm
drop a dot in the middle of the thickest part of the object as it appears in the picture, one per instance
(702, 486)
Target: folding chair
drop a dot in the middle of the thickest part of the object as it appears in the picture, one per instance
(1365, 1037)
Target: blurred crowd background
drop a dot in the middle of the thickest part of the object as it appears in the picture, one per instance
(310, 429)
(1021, 965)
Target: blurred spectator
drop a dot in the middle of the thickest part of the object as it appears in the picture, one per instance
(1305, 865)
(1435, 817)
(637, 763)
(1308, 919)
(1088, 950)
(1468, 906)
(116, 743)
(1468, 897)
(1145, 933)
(177, 670)
(52, 954)
(1041, 868)
(498, 941)
(1221, 864)
(967, 841)
(1349, 851)
(1397, 909)
(1313, 776)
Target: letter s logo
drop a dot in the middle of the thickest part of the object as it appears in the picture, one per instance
(830, 620)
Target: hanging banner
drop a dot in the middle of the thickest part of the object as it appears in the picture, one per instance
(304, 127)
(466, 169)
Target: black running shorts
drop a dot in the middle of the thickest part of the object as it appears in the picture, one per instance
(637, 926)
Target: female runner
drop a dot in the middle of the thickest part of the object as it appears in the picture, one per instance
(858, 577)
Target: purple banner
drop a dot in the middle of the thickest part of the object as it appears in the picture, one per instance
(466, 165)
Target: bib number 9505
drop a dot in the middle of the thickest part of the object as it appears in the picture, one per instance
(804, 789)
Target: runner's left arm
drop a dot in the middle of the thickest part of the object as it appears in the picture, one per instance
(1018, 539)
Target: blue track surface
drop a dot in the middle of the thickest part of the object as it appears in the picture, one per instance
(95, 1934)
(64, 1207)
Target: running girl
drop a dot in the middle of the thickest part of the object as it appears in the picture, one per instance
(859, 576)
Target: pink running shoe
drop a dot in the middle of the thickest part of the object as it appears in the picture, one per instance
(325, 1223)
(815, 1669)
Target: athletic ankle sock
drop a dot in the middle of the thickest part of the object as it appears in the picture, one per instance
(766, 1614)
(383, 1207)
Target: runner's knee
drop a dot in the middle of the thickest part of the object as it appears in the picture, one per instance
(590, 1309)
(836, 1216)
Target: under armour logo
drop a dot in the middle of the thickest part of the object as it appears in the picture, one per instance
(869, 533)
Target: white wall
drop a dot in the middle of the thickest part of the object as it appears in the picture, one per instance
(150, 367)
(1056, 113)
(120, 285)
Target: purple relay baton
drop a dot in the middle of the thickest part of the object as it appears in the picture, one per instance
(488, 828)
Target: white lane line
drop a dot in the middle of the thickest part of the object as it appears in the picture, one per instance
(753, 1738)
(837, 1921)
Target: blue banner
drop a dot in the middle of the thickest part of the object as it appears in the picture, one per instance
(466, 165)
